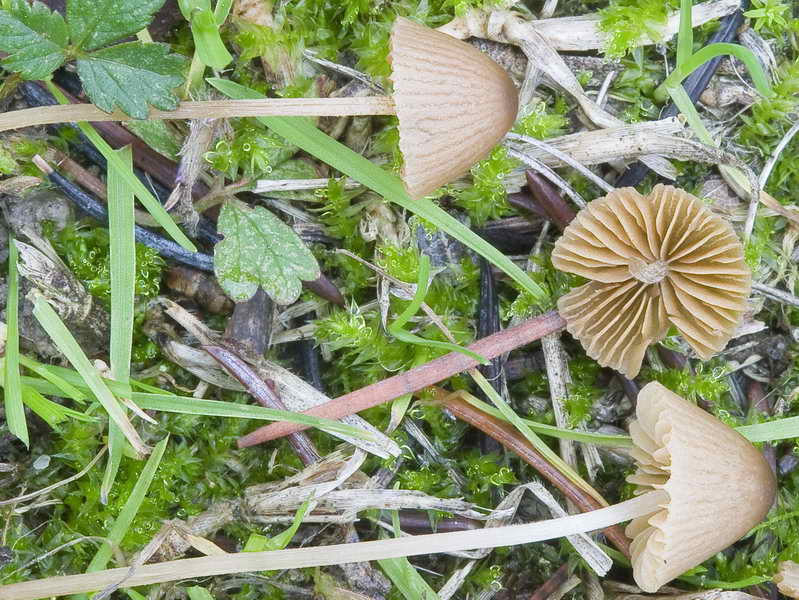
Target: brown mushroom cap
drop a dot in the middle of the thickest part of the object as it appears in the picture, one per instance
(787, 578)
(454, 105)
(654, 261)
(719, 486)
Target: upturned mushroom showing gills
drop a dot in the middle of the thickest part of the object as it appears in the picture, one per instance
(453, 104)
(652, 261)
(787, 578)
(701, 486)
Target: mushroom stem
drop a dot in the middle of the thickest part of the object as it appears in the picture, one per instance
(296, 558)
(210, 109)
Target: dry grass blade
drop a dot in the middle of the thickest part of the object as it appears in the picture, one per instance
(653, 261)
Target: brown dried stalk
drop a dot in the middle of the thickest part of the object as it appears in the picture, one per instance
(416, 379)
(509, 437)
(265, 396)
(654, 261)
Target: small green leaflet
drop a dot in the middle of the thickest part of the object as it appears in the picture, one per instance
(130, 76)
(147, 71)
(96, 23)
(34, 37)
(258, 249)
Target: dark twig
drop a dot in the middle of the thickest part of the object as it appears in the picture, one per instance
(509, 437)
(418, 522)
(89, 205)
(488, 323)
(418, 378)
(250, 325)
(551, 585)
(265, 396)
(322, 286)
(549, 199)
(694, 85)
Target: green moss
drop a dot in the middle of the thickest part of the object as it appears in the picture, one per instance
(626, 21)
(250, 152)
(486, 198)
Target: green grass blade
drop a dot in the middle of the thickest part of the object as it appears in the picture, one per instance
(302, 132)
(50, 412)
(711, 51)
(144, 195)
(129, 510)
(45, 371)
(403, 574)
(598, 439)
(123, 290)
(15, 410)
(216, 408)
(196, 592)
(67, 344)
(685, 36)
(771, 431)
(123, 266)
(548, 453)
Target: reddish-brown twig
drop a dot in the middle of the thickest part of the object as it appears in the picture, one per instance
(509, 437)
(265, 396)
(416, 379)
(551, 585)
(550, 200)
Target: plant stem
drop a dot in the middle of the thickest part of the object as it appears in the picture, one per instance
(209, 109)
(418, 378)
(296, 558)
(509, 437)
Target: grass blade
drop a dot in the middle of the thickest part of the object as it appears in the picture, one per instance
(123, 266)
(302, 132)
(685, 36)
(403, 574)
(129, 510)
(216, 408)
(15, 410)
(45, 372)
(67, 344)
(123, 282)
(144, 195)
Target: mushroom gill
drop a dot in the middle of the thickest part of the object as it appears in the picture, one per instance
(787, 578)
(719, 486)
(652, 261)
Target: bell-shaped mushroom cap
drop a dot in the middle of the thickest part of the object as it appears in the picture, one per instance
(653, 260)
(453, 103)
(787, 578)
(719, 486)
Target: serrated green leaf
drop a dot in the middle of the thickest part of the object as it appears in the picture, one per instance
(95, 23)
(258, 249)
(34, 37)
(131, 76)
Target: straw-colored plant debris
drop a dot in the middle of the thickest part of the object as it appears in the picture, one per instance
(653, 261)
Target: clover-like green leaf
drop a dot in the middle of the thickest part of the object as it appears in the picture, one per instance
(96, 23)
(259, 249)
(34, 37)
(131, 76)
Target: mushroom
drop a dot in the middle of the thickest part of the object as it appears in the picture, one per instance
(653, 261)
(787, 578)
(701, 486)
(453, 103)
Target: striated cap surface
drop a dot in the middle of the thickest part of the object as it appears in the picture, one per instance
(787, 578)
(454, 105)
(719, 486)
(653, 261)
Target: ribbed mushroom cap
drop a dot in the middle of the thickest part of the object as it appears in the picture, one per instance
(653, 261)
(719, 486)
(787, 578)
(453, 103)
